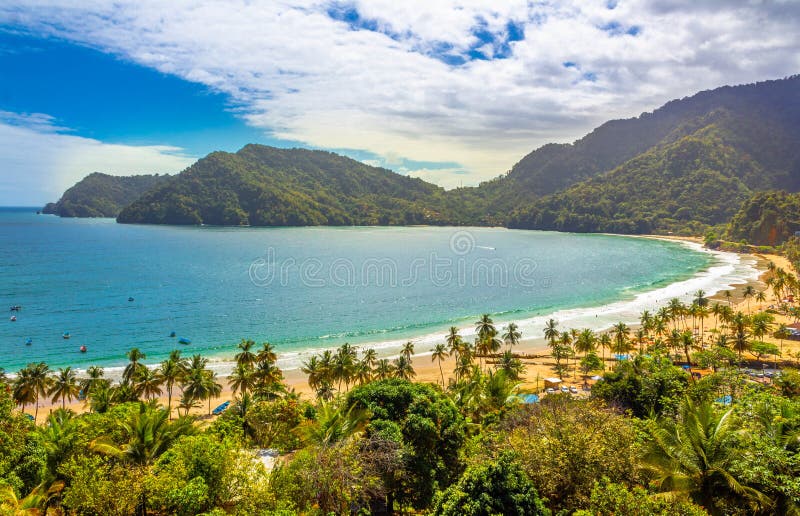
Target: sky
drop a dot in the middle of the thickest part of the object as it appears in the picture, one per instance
(454, 92)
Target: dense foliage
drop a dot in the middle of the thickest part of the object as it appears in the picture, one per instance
(102, 195)
(767, 218)
(685, 167)
(267, 186)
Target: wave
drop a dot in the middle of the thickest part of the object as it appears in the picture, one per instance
(726, 270)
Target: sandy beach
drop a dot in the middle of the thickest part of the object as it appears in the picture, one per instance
(540, 366)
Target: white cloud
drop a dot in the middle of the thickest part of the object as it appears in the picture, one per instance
(295, 71)
(39, 161)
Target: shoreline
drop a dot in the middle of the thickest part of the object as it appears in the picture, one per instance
(532, 344)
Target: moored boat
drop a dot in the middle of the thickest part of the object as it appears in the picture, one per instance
(83, 349)
(28, 341)
(65, 335)
(184, 340)
(13, 318)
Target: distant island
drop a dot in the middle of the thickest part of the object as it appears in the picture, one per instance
(687, 167)
(102, 195)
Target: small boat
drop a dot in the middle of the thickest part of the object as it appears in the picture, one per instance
(65, 335)
(16, 308)
(130, 299)
(13, 318)
(172, 334)
(83, 349)
(28, 341)
(184, 340)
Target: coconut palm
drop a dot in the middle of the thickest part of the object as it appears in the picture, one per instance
(512, 335)
(621, 333)
(342, 366)
(747, 293)
(332, 424)
(586, 341)
(362, 372)
(268, 380)
(64, 386)
(646, 320)
(370, 357)
(511, 365)
(782, 333)
(407, 350)
(147, 433)
(384, 369)
(241, 379)
(695, 456)
(147, 383)
(439, 352)
(403, 368)
(700, 298)
(169, 373)
(267, 353)
(94, 378)
(605, 342)
(37, 383)
(739, 325)
(484, 327)
(135, 357)
(453, 340)
(728, 296)
(246, 357)
(551, 331)
(313, 369)
(22, 390)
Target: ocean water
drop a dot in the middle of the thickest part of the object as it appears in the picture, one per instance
(304, 289)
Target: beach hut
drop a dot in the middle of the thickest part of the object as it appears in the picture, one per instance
(552, 382)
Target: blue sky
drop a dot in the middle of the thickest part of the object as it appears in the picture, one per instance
(453, 91)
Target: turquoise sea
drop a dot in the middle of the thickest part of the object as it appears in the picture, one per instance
(309, 288)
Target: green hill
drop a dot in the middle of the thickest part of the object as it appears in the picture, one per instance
(696, 176)
(102, 195)
(766, 218)
(267, 186)
(684, 167)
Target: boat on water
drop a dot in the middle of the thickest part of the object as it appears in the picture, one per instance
(184, 340)
(130, 299)
(28, 341)
(172, 334)
(13, 318)
(83, 349)
(65, 335)
(16, 308)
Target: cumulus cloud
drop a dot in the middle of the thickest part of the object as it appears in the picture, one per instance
(40, 161)
(476, 82)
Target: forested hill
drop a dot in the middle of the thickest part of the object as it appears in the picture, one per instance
(768, 218)
(102, 195)
(267, 186)
(711, 152)
(684, 167)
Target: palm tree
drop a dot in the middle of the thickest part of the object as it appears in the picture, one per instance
(700, 298)
(621, 333)
(342, 367)
(241, 379)
(782, 333)
(403, 368)
(748, 292)
(586, 342)
(39, 382)
(267, 353)
(332, 424)
(512, 335)
(439, 352)
(453, 340)
(728, 296)
(761, 296)
(313, 369)
(510, 365)
(695, 455)
(23, 391)
(64, 386)
(384, 369)
(147, 383)
(740, 323)
(370, 357)
(605, 342)
(135, 358)
(268, 380)
(94, 378)
(408, 350)
(362, 372)
(551, 331)
(169, 373)
(246, 357)
(484, 327)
